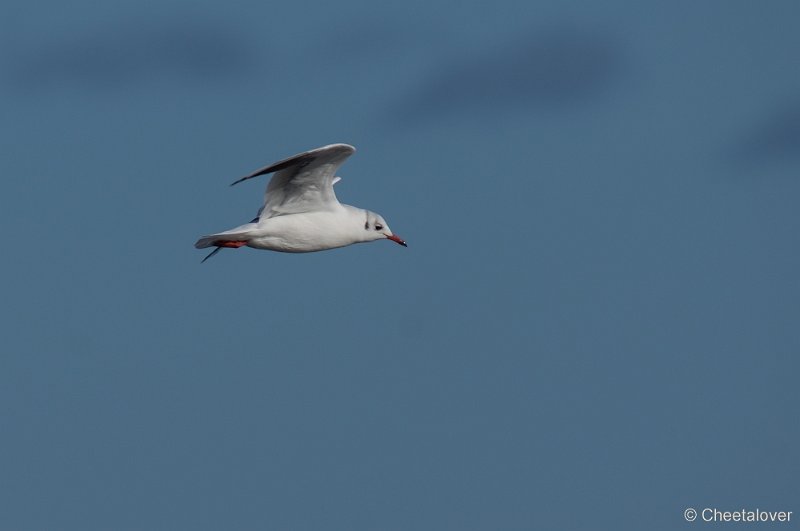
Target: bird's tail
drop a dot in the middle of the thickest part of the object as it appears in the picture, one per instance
(220, 241)
(207, 241)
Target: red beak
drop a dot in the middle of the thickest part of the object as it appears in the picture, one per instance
(395, 238)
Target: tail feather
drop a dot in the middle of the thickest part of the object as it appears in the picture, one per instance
(206, 241)
(233, 238)
(237, 234)
(219, 241)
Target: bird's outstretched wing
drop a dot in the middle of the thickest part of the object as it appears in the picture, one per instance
(302, 183)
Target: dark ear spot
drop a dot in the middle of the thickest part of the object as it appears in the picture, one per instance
(366, 225)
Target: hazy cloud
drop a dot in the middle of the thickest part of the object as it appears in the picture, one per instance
(552, 68)
(363, 38)
(132, 53)
(774, 139)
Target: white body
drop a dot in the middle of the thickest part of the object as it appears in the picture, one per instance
(307, 232)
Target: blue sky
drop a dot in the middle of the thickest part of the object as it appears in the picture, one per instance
(594, 324)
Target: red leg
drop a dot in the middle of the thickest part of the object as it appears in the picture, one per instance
(234, 245)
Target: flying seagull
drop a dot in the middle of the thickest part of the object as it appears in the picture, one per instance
(301, 213)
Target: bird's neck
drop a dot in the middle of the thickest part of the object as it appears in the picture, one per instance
(358, 218)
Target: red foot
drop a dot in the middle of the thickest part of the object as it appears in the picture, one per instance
(234, 245)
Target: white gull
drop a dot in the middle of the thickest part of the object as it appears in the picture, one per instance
(301, 213)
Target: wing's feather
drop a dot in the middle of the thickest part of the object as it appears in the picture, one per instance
(303, 182)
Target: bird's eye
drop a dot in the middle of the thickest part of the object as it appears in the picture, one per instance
(378, 226)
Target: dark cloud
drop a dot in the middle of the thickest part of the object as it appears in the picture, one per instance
(774, 139)
(134, 53)
(552, 68)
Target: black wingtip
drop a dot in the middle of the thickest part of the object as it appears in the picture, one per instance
(252, 175)
(212, 253)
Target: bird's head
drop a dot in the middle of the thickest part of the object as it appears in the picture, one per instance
(376, 228)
